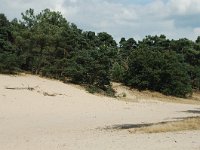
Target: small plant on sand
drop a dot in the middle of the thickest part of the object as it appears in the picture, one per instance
(123, 94)
(108, 91)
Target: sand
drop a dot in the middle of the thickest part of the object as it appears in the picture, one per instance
(43, 114)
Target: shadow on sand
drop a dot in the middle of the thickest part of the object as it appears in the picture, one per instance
(133, 126)
(138, 126)
(193, 111)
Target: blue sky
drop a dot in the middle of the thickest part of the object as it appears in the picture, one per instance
(121, 18)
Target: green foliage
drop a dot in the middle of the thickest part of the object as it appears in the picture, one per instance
(159, 71)
(8, 63)
(8, 58)
(118, 72)
(91, 67)
(174, 78)
(108, 92)
(126, 47)
(46, 44)
(93, 89)
(194, 72)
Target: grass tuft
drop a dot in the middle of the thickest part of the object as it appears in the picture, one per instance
(191, 123)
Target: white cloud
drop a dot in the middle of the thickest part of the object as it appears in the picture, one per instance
(184, 7)
(175, 18)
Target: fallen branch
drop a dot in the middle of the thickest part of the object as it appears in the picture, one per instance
(20, 88)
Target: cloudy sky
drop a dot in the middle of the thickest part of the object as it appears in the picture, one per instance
(121, 18)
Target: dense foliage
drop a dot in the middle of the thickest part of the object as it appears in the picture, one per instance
(48, 45)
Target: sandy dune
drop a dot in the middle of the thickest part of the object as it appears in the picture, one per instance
(43, 114)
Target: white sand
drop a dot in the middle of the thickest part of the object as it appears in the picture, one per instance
(73, 119)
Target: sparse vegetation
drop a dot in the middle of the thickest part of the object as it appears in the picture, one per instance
(191, 123)
(108, 92)
(184, 124)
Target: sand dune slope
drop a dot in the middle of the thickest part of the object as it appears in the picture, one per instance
(43, 114)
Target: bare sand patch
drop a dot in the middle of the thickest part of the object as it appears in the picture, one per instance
(69, 118)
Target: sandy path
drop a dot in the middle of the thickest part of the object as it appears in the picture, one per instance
(72, 119)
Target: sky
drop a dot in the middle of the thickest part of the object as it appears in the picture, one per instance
(120, 18)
